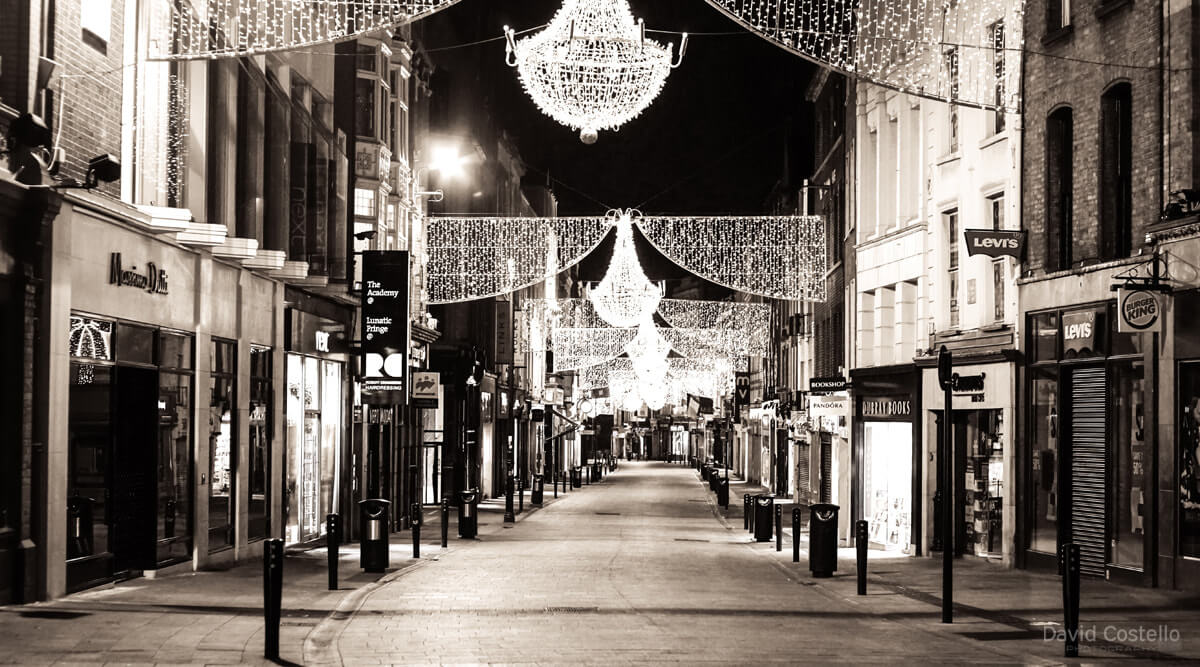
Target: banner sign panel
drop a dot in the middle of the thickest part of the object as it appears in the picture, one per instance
(995, 242)
(385, 322)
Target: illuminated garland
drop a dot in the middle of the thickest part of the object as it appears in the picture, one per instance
(580, 347)
(936, 49)
(624, 297)
(753, 320)
(592, 68)
(229, 28)
(782, 257)
(475, 258)
(703, 343)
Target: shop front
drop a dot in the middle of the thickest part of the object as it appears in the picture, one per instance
(888, 467)
(164, 360)
(316, 411)
(1088, 466)
(982, 422)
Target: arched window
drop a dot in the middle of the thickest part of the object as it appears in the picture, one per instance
(1116, 181)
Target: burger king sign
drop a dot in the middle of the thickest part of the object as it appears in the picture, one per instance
(1140, 311)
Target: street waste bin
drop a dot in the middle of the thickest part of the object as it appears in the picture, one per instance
(468, 514)
(597, 471)
(576, 477)
(373, 539)
(822, 539)
(723, 492)
(764, 518)
(537, 490)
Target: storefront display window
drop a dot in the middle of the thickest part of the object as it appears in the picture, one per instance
(260, 415)
(331, 428)
(222, 446)
(88, 459)
(1044, 422)
(175, 466)
(1130, 460)
(1043, 331)
(1189, 459)
(983, 481)
(314, 427)
(887, 483)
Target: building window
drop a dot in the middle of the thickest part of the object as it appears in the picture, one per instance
(996, 209)
(1058, 15)
(998, 289)
(222, 452)
(1116, 182)
(261, 417)
(952, 76)
(367, 59)
(997, 36)
(1059, 183)
(951, 218)
(364, 203)
(364, 107)
(95, 18)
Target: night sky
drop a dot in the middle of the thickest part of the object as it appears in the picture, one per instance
(712, 142)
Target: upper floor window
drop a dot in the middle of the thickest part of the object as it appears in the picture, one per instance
(1060, 135)
(364, 107)
(951, 218)
(996, 211)
(364, 202)
(367, 59)
(952, 76)
(1116, 181)
(95, 18)
(1058, 15)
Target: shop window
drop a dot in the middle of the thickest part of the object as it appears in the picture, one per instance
(88, 454)
(1059, 183)
(174, 465)
(1044, 462)
(1116, 177)
(260, 415)
(135, 344)
(887, 483)
(174, 351)
(1085, 333)
(91, 339)
(1128, 514)
(1043, 337)
(1189, 459)
(222, 452)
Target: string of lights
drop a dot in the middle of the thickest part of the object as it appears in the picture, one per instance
(625, 297)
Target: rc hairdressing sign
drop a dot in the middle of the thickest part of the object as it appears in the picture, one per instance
(385, 322)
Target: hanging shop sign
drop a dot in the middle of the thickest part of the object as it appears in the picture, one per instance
(504, 332)
(425, 389)
(1140, 311)
(995, 242)
(827, 385)
(152, 280)
(886, 407)
(385, 322)
(741, 396)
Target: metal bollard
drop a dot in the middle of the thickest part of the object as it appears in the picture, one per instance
(417, 520)
(1069, 560)
(746, 511)
(796, 515)
(272, 596)
(333, 542)
(779, 527)
(860, 547)
(753, 512)
(510, 515)
(445, 520)
(520, 495)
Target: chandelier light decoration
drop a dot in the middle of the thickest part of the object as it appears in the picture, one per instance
(194, 29)
(592, 68)
(625, 297)
(476, 258)
(781, 257)
(648, 351)
(963, 52)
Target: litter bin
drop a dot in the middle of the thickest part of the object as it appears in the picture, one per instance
(373, 540)
(537, 490)
(597, 471)
(468, 514)
(576, 477)
(822, 539)
(723, 492)
(764, 518)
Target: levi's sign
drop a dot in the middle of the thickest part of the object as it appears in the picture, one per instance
(995, 242)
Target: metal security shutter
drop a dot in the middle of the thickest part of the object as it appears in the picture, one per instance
(826, 469)
(803, 475)
(1088, 469)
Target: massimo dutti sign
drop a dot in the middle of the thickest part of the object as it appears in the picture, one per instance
(995, 242)
(152, 279)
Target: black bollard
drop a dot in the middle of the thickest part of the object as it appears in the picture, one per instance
(779, 527)
(796, 516)
(333, 542)
(520, 495)
(860, 547)
(445, 520)
(510, 515)
(417, 520)
(272, 596)
(753, 513)
(1069, 560)
(746, 511)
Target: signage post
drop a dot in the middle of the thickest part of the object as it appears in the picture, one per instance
(945, 366)
(385, 325)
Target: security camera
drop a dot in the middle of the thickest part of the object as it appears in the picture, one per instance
(365, 236)
(103, 169)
